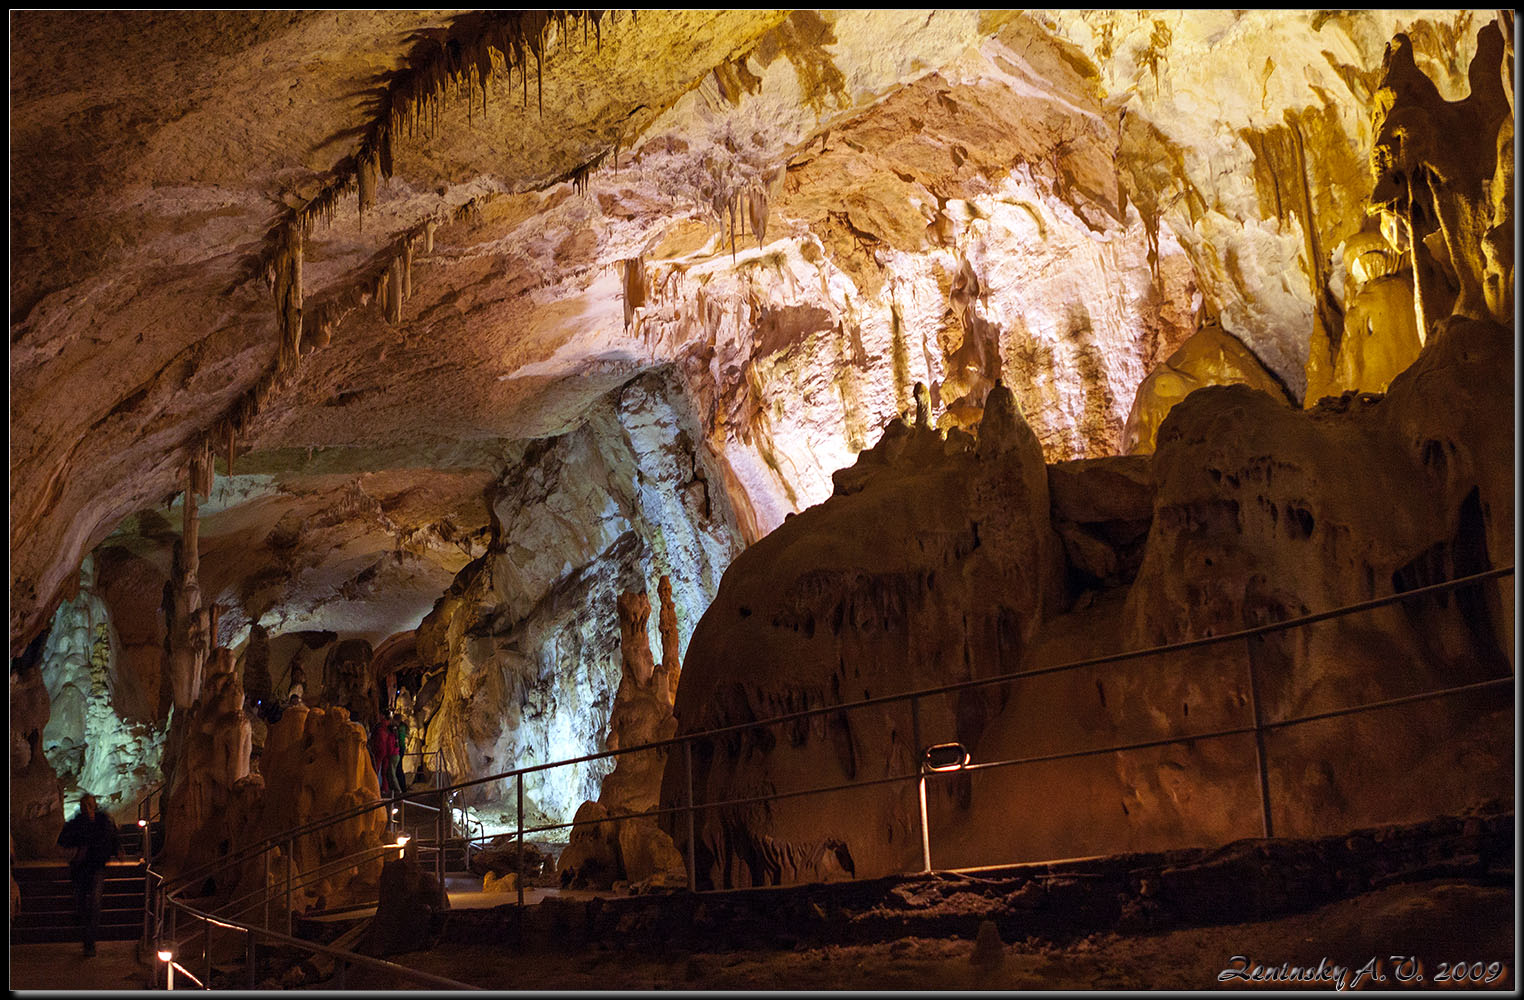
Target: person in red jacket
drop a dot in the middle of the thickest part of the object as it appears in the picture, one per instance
(383, 749)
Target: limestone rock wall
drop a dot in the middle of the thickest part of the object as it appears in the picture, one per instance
(1261, 180)
(36, 797)
(1259, 512)
(523, 653)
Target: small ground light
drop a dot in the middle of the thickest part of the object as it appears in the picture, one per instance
(941, 757)
(946, 757)
(142, 822)
(402, 845)
(165, 956)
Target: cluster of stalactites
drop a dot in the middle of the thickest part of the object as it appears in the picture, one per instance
(476, 49)
(743, 205)
(394, 285)
(1434, 163)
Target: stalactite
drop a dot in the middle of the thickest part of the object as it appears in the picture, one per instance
(756, 211)
(287, 282)
(367, 179)
(634, 288)
(395, 292)
(407, 268)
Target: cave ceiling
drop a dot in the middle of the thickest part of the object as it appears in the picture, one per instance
(802, 194)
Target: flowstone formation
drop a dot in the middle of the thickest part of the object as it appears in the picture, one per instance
(1211, 356)
(316, 762)
(934, 563)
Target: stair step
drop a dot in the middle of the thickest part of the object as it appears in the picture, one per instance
(111, 918)
(53, 935)
(26, 873)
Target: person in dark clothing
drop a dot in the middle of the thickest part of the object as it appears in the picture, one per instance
(399, 731)
(93, 836)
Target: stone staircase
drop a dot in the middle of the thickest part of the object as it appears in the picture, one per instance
(47, 903)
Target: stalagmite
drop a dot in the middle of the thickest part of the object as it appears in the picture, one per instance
(1433, 162)
(642, 714)
(671, 653)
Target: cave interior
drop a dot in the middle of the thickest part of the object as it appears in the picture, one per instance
(557, 383)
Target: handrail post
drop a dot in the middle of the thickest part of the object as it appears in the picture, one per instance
(925, 828)
(207, 982)
(915, 736)
(520, 786)
(290, 848)
(692, 845)
(1260, 758)
(253, 966)
(147, 906)
(265, 888)
(439, 843)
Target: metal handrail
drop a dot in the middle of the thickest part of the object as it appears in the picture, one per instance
(1259, 727)
(1290, 623)
(338, 954)
(687, 738)
(1039, 759)
(307, 877)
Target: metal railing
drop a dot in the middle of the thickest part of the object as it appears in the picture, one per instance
(443, 795)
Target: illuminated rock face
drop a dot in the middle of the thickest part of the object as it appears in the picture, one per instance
(89, 739)
(526, 643)
(1211, 356)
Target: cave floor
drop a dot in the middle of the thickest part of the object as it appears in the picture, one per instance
(60, 966)
(1441, 920)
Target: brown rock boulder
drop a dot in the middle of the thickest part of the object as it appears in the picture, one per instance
(409, 899)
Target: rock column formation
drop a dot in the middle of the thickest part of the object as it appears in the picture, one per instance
(635, 850)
